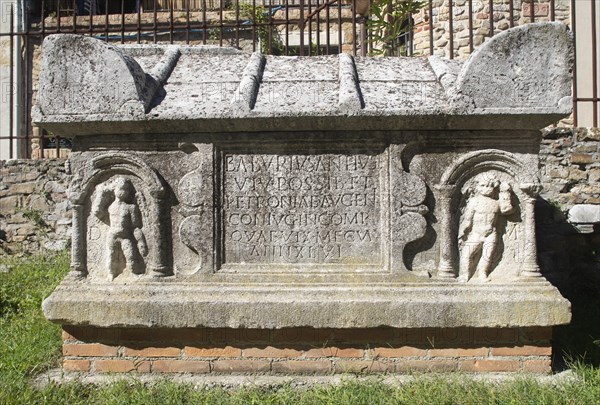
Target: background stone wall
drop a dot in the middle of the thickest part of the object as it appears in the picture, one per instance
(35, 214)
(481, 22)
(570, 166)
(570, 173)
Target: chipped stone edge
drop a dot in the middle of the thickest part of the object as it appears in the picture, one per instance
(179, 304)
(461, 101)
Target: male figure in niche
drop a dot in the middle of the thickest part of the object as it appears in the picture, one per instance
(124, 220)
(478, 229)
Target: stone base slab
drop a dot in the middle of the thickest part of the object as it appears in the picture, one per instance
(173, 304)
(294, 351)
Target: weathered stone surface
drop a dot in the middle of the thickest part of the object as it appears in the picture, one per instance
(320, 225)
(84, 81)
(588, 134)
(584, 214)
(278, 192)
(298, 209)
(494, 77)
(9, 204)
(521, 76)
(319, 306)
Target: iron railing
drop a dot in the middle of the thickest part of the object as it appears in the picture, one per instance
(449, 28)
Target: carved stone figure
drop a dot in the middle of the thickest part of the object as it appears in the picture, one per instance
(115, 205)
(478, 229)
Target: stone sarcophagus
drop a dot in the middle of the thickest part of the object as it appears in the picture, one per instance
(215, 189)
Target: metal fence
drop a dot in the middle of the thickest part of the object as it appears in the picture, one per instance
(449, 28)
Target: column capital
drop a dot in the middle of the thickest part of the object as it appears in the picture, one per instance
(531, 189)
(445, 190)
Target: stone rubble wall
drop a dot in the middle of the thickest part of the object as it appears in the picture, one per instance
(306, 350)
(570, 174)
(570, 166)
(35, 215)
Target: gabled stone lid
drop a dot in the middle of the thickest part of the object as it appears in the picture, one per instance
(521, 78)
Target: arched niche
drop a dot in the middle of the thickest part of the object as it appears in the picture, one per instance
(103, 170)
(451, 188)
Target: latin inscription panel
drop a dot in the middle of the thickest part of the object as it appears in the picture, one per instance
(302, 209)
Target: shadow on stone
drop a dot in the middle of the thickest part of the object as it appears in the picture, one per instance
(571, 261)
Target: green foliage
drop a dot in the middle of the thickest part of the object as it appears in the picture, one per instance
(28, 343)
(387, 22)
(214, 34)
(35, 216)
(459, 389)
(258, 15)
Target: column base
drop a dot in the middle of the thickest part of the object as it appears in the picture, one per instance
(531, 273)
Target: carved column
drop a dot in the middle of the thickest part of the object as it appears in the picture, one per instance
(78, 242)
(446, 267)
(530, 266)
(158, 265)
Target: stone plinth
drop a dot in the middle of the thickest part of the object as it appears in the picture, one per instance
(214, 189)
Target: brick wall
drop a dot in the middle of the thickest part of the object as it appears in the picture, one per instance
(480, 24)
(306, 350)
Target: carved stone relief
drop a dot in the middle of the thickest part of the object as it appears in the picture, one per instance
(119, 219)
(487, 229)
(303, 209)
(278, 212)
(482, 226)
(116, 237)
(339, 212)
(195, 230)
(408, 194)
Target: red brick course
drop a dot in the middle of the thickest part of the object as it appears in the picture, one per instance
(241, 366)
(180, 366)
(306, 350)
(440, 366)
(364, 366)
(473, 352)
(151, 352)
(404, 351)
(121, 366)
(302, 367)
(76, 365)
(89, 350)
(226, 351)
(490, 365)
(270, 352)
(522, 351)
(334, 352)
(538, 366)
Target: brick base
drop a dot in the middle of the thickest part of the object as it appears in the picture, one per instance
(306, 350)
